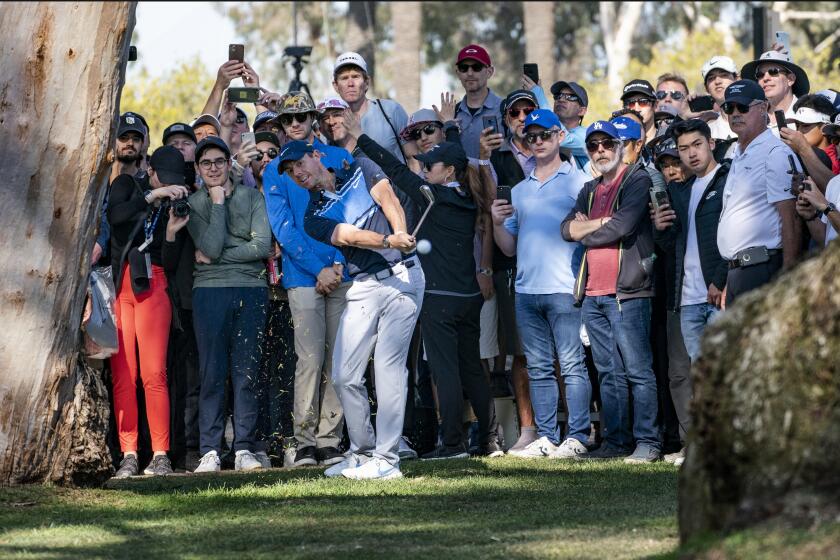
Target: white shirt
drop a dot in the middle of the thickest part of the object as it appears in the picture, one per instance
(694, 288)
(758, 179)
(832, 194)
(720, 129)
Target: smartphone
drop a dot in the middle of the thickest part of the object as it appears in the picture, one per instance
(503, 193)
(782, 38)
(236, 52)
(659, 197)
(490, 121)
(781, 122)
(243, 94)
(248, 137)
(796, 178)
(532, 71)
(701, 103)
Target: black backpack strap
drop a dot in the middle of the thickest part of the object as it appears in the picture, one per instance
(393, 129)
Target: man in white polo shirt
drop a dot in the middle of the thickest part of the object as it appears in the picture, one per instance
(759, 231)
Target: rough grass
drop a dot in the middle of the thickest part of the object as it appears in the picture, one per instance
(494, 508)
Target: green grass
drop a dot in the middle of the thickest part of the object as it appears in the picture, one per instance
(503, 508)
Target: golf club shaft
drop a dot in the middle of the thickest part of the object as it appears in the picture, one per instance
(422, 219)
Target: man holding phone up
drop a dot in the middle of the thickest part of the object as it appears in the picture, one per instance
(759, 232)
(474, 69)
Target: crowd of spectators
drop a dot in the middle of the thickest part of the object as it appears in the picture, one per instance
(346, 284)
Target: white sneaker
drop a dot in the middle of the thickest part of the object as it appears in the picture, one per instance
(264, 459)
(405, 452)
(209, 463)
(569, 449)
(351, 461)
(539, 448)
(246, 461)
(375, 469)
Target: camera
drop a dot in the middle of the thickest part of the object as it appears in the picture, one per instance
(180, 207)
(297, 52)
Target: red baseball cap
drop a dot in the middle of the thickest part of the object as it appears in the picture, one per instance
(475, 52)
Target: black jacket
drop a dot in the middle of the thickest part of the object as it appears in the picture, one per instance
(706, 218)
(630, 228)
(450, 225)
(127, 207)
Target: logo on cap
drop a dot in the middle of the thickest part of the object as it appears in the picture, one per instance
(618, 125)
(177, 127)
(534, 116)
(736, 89)
(129, 120)
(471, 51)
(597, 125)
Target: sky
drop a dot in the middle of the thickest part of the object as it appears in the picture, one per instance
(162, 43)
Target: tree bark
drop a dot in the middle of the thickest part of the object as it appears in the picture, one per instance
(63, 67)
(539, 39)
(618, 24)
(407, 23)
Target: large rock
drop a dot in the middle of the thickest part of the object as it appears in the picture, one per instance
(766, 437)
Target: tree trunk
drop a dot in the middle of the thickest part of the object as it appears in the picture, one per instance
(406, 22)
(361, 24)
(618, 24)
(539, 39)
(63, 67)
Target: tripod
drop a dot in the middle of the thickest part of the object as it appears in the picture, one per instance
(297, 55)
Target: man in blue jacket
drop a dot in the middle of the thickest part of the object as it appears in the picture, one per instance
(314, 276)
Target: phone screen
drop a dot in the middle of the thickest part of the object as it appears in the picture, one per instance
(236, 52)
(532, 71)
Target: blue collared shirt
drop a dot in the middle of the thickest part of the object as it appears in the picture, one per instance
(471, 125)
(545, 262)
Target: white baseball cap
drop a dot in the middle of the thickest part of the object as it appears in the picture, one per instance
(806, 115)
(350, 59)
(722, 62)
(332, 102)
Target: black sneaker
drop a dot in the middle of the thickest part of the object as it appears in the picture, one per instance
(328, 456)
(305, 456)
(160, 466)
(605, 452)
(128, 467)
(491, 450)
(443, 452)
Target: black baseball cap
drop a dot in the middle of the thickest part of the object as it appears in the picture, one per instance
(641, 87)
(266, 136)
(211, 142)
(744, 92)
(575, 87)
(168, 164)
(130, 123)
(137, 116)
(449, 153)
(517, 95)
(178, 128)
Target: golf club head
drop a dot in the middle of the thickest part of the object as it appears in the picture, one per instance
(427, 192)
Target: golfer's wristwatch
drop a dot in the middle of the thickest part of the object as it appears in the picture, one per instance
(828, 209)
(386, 243)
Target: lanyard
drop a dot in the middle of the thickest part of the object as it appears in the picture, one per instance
(151, 222)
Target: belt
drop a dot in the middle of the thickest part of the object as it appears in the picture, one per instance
(736, 262)
(385, 273)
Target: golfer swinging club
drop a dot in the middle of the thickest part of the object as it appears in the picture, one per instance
(356, 210)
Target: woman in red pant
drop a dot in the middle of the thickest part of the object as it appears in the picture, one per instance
(139, 224)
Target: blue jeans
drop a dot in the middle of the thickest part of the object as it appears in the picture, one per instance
(549, 322)
(693, 321)
(619, 335)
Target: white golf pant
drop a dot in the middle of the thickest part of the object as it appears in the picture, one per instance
(379, 318)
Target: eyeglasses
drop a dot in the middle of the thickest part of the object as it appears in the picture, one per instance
(206, 164)
(567, 97)
(545, 135)
(730, 106)
(609, 144)
(463, 67)
(272, 153)
(515, 112)
(286, 120)
(675, 95)
(428, 130)
(640, 101)
(773, 71)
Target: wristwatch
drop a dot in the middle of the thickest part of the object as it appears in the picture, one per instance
(486, 271)
(147, 196)
(828, 209)
(386, 243)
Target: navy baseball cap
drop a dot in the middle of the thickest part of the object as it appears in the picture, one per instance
(448, 153)
(178, 128)
(293, 151)
(517, 95)
(604, 127)
(542, 117)
(263, 117)
(744, 92)
(627, 128)
(666, 147)
(168, 164)
(211, 142)
(575, 87)
(641, 87)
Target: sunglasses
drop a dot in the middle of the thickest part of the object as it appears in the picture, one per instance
(299, 117)
(640, 101)
(428, 130)
(773, 71)
(609, 144)
(240, 119)
(545, 135)
(515, 112)
(730, 106)
(463, 67)
(675, 95)
(206, 164)
(567, 97)
(272, 153)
